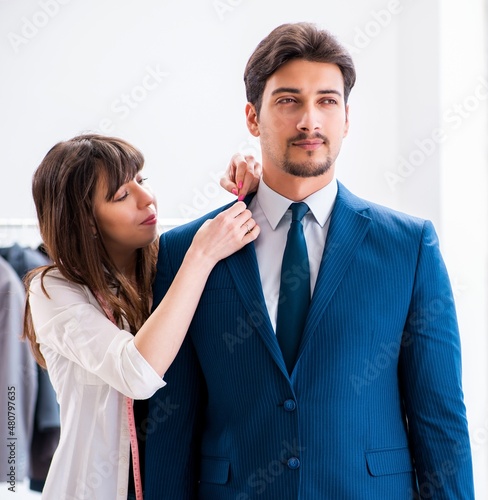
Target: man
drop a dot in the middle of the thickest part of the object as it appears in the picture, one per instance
(363, 400)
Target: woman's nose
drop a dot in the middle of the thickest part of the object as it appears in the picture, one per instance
(145, 195)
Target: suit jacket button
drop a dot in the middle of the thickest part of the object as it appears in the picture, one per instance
(293, 463)
(289, 405)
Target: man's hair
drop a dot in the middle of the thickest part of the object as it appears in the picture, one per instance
(295, 41)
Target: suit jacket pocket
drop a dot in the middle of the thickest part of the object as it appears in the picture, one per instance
(214, 470)
(389, 461)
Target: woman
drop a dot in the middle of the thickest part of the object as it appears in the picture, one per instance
(86, 314)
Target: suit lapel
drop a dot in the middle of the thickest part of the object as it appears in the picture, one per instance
(243, 267)
(348, 227)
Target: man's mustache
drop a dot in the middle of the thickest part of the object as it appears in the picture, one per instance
(305, 137)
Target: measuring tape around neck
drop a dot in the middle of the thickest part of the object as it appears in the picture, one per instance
(129, 404)
(134, 448)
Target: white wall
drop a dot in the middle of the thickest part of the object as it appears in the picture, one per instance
(167, 76)
(87, 67)
(463, 187)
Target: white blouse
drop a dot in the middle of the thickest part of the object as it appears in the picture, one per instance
(92, 365)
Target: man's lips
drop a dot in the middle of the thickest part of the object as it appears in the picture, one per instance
(152, 219)
(311, 144)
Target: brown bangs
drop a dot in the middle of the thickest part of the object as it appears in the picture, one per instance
(118, 162)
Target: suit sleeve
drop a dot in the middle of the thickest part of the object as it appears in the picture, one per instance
(173, 433)
(430, 379)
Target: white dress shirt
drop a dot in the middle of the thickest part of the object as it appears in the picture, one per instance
(271, 211)
(92, 365)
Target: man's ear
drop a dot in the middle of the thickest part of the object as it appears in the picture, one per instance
(346, 125)
(252, 119)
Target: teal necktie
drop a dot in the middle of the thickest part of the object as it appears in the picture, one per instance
(294, 296)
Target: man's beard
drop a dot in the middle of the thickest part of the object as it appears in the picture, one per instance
(306, 168)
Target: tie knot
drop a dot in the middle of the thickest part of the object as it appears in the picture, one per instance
(298, 211)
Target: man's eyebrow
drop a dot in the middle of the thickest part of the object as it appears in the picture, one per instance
(286, 90)
(330, 91)
(293, 90)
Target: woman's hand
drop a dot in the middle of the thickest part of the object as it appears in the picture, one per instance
(242, 175)
(161, 336)
(228, 232)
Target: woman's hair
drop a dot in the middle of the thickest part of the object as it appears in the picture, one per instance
(63, 189)
(294, 41)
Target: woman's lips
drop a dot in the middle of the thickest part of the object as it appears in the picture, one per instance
(152, 219)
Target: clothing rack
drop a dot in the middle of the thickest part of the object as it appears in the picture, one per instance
(25, 232)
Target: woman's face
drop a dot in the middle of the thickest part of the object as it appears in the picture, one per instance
(128, 221)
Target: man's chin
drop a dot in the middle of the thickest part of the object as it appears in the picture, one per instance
(307, 168)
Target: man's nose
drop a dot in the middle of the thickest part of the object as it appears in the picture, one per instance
(309, 120)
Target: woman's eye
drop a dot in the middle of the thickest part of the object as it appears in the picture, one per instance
(142, 180)
(121, 197)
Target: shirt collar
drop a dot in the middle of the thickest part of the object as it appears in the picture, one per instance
(274, 205)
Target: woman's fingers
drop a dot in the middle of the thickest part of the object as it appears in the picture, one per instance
(242, 175)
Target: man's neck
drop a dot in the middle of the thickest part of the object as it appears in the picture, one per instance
(296, 188)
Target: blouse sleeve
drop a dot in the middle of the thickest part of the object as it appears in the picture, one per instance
(71, 323)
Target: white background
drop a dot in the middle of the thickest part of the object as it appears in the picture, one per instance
(167, 76)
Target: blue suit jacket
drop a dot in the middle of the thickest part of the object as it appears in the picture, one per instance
(374, 407)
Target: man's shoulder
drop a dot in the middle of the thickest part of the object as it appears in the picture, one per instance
(186, 231)
(380, 214)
